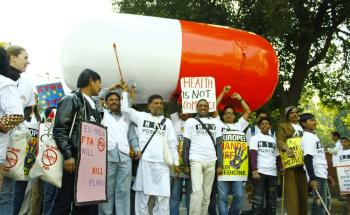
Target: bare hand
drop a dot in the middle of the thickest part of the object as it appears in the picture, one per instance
(138, 155)
(227, 89)
(256, 175)
(236, 96)
(289, 152)
(313, 184)
(331, 181)
(69, 165)
(124, 86)
(219, 170)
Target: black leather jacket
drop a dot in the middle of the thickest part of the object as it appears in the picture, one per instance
(70, 105)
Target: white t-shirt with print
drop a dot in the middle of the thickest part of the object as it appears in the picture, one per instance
(298, 130)
(202, 147)
(146, 125)
(240, 125)
(25, 91)
(249, 133)
(267, 150)
(311, 145)
(343, 157)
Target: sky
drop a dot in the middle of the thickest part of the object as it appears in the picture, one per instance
(40, 27)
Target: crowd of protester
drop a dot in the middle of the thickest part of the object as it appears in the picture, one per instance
(158, 182)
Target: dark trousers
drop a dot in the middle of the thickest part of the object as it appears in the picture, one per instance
(64, 201)
(212, 204)
(266, 186)
(19, 191)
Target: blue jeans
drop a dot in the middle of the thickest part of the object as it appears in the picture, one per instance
(6, 196)
(19, 191)
(223, 191)
(118, 189)
(323, 189)
(264, 188)
(49, 197)
(176, 194)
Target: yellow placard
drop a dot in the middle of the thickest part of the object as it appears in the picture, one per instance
(235, 157)
(290, 162)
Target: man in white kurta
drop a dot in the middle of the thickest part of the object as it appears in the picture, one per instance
(153, 174)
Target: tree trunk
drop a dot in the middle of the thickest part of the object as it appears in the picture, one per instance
(292, 97)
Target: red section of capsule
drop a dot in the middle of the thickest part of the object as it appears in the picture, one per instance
(233, 57)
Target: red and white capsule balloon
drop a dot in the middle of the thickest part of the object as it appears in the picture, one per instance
(155, 53)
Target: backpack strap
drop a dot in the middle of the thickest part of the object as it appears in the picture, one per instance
(207, 130)
(155, 131)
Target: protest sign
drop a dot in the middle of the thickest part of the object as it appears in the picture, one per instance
(49, 94)
(49, 161)
(235, 156)
(196, 88)
(91, 179)
(343, 173)
(32, 148)
(290, 162)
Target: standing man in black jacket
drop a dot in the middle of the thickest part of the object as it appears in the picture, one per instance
(70, 111)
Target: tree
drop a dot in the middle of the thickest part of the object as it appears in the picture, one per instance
(310, 36)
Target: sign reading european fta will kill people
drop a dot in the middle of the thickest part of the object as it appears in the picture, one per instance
(196, 88)
(91, 181)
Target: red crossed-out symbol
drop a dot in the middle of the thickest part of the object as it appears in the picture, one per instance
(101, 144)
(11, 159)
(49, 157)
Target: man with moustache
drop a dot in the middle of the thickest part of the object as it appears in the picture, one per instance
(121, 136)
(153, 174)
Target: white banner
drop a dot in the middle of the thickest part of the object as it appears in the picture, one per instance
(343, 173)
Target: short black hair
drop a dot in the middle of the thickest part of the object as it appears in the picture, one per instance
(153, 97)
(110, 93)
(344, 138)
(305, 117)
(203, 100)
(85, 76)
(264, 118)
(336, 133)
(4, 62)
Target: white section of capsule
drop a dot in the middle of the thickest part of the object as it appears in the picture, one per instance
(149, 52)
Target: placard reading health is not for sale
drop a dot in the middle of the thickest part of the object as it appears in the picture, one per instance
(196, 88)
(91, 182)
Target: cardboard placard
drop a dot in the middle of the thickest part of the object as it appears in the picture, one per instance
(196, 88)
(91, 177)
(49, 94)
(235, 157)
(343, 173)
(294, 144)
